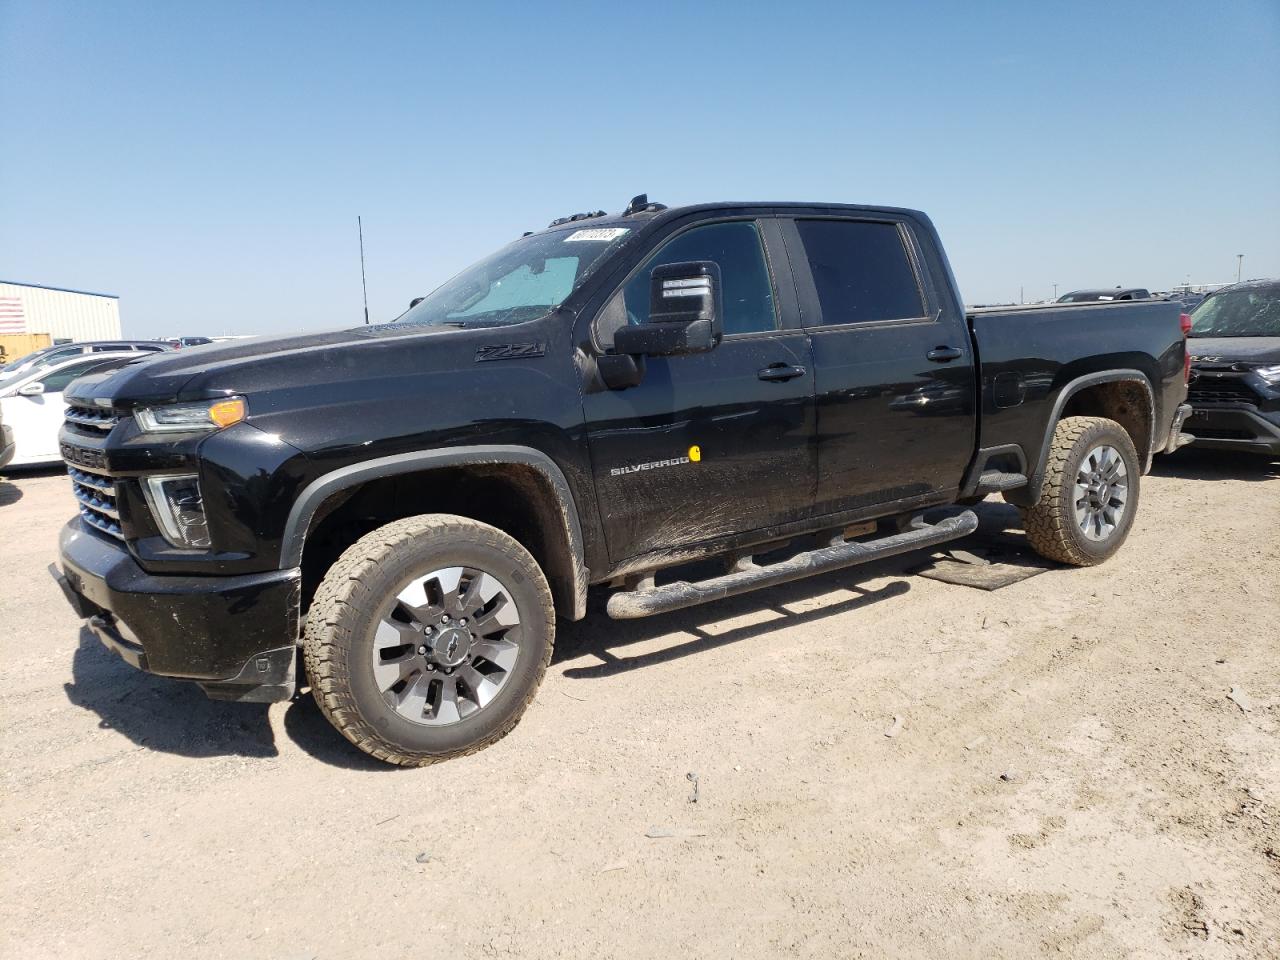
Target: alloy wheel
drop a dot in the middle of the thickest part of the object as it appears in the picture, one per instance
(446, 646)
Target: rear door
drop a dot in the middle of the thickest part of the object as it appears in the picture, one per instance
(893, 364)
(713, 444)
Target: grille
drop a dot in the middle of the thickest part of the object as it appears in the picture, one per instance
(91, 417)
(1220, 390)
(96, 494)
(94, 488)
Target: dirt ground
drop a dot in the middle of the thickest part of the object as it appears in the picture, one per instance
(1139, 814)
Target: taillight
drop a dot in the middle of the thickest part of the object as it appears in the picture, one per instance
(1185, 320)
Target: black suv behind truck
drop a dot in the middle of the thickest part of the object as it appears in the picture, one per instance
(1235, 369)
(414, 503)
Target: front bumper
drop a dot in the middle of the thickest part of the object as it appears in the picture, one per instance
(7, 445)
(235, 636)
(1176, 437)
(1235, 427)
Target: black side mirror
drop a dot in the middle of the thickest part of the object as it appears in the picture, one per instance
(415, 301)
(684, 312)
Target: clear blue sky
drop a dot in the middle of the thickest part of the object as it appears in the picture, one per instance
(207, 162)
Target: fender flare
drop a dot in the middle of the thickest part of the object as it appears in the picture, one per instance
(1029, 494)
(323, 487)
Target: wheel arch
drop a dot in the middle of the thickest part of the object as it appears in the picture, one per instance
(1125, 396)
(549, 526)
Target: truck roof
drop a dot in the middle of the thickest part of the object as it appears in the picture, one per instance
(657, 212)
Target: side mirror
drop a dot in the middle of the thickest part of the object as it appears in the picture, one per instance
(684, 312)
(31, 389)
(415, 301)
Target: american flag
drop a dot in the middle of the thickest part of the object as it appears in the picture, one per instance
(12, 319)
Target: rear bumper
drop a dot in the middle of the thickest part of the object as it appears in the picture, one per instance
(1235, 427)
(235, 636)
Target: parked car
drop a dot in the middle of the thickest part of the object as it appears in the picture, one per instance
(179, 342)
(63, 351)
(7, 445)
(32, 407)
(1235, 363)
(415, 503)
(1189, 299)
(1102, 296)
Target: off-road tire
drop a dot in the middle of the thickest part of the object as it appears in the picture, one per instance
(348, 605)
(1050, 524)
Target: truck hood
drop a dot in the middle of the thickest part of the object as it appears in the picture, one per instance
(1228, 350)
(243, 366)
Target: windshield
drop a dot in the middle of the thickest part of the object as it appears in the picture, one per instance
(11, 367)
(522, 281)
(1239, 313)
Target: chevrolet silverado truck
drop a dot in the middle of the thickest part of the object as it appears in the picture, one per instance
(407, 508)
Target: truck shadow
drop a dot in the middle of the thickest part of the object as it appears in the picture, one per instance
(1202, 464)
(174, 716)
(171, 716)
(599, 636)
(307, 727)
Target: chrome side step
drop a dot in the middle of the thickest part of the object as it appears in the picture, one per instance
(994, 481)
(746, 575)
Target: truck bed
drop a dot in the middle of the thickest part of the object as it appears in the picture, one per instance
(1028, 354)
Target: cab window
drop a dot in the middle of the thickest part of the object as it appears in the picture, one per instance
(861, 270)
(746, 288)
(58, 380)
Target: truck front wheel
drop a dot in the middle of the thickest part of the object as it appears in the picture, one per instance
(1090, 493)
(428, 638)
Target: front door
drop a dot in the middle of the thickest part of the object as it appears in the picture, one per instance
(711, 444)
(896, 396)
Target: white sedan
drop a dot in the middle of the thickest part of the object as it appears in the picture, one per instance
(32, 409)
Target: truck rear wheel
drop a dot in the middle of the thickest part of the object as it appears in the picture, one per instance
(428, 638)
(1090, 493)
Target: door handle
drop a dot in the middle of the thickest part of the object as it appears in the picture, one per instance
(945, 354)
(780, 371)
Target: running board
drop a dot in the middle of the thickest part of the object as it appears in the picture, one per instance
(746, 575)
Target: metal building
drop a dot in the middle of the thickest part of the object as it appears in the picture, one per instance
(63, 314)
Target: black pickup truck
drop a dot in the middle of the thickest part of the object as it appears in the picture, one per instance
(413, 504)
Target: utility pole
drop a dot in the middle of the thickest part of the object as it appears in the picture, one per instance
(1022, 294)
(1239, 265)
(363, 286)
(1055, 293)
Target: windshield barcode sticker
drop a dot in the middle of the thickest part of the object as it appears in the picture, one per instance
(599, 234)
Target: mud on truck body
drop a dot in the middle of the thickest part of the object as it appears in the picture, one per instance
(407, 508)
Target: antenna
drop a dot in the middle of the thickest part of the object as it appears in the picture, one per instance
(363, 286)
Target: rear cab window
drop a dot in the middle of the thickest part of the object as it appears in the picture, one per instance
(863, 271)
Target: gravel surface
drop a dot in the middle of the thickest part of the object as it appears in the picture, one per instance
(1084, 762)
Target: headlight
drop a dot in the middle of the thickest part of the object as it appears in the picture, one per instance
(191, 417)
(1269, 374)
(177, 506)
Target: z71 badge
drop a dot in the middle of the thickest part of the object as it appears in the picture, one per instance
(510, 351)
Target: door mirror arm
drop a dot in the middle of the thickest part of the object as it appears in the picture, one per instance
(620, 370)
